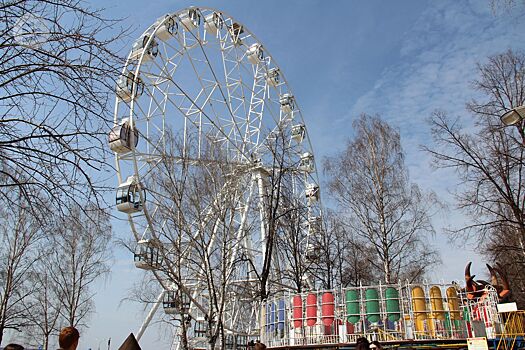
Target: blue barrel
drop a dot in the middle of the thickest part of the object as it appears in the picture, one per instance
(281, 314)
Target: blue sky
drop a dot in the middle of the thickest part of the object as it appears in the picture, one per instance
(400, 59)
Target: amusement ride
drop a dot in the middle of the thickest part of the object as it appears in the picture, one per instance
(217, 177)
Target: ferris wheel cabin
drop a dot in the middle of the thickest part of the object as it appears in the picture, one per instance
(312, 193)
(298, 133)
(255, 54)
(191, 19)
(287, 103)
(169, 27)
(236, 30)
(314, 225)
(213, 23)
(173, 304)
(169, 302)
(307, 163)
(129, 87)
(147, 255)
(273, 77)
(145, 45)
(128, 196)
(122, 138)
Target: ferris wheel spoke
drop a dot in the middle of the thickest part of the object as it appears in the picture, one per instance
(256, 109)
(235, 91)
(198, 223)
(227, 102)
(209, 66)
(199, 109)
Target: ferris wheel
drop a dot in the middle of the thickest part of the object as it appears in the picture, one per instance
(215, 168)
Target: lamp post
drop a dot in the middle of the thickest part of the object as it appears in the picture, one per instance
(514, 116)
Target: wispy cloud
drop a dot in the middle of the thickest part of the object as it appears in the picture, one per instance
(437, 64)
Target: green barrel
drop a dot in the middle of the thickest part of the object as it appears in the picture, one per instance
(372, 305)
(466, 315)
(352, 306)
(392, 304)
(448, 323)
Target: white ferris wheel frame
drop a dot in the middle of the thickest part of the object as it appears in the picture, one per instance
(242, 131)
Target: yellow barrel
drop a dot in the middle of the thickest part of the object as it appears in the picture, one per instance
(436, 303)
(419, 307)
(453, 303)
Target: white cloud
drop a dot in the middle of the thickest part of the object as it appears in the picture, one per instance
(438, 63)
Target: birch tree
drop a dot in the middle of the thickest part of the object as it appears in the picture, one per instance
(79, 256)
(370, 184)
(20, 235)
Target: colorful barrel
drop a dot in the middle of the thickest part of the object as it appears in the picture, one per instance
(297, 311)
(327, 308)
(418, 303)
(281, 314)
(372, 305)
(311, 309)
(350, 328)
(448, 324)
(436, 303)
(453, 303)
(352, 306)
(392, 304)
(419, 307)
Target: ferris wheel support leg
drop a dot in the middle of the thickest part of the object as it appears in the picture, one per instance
(146, 322)
(262, 210)
(240, 231)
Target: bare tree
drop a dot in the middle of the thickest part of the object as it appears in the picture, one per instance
(18, 259)
(370, 184)
(345, 254)
(209, 211)
(285, 214)
(57, 69)
(46, 271)
(196, 229)
(489, 158)
(79, 255)
(291, 244)
(44, 316)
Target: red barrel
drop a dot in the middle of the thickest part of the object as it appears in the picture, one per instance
(311, 310)
(297, 311)
(349, 328)
(327, 308)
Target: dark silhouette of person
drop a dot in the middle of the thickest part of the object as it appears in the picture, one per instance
(362, 344)
(13, 346)
(68, 338)
(259, 346)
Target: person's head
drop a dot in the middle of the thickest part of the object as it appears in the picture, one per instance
(362, 344)
(13, 347)
(68, 338)
(259, 345)
(375, 345)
